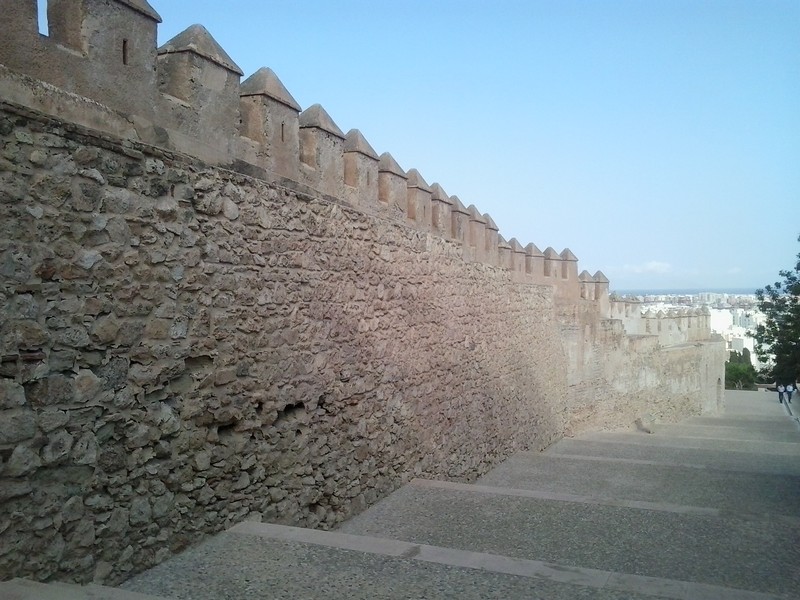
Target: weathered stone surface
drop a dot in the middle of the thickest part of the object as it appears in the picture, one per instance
(74, 337)
(202, 461)
(12, 394)
(23, 460)
(84, 535)
(208, 204)
(105, 330)
(58, 446)
(140, 512)
(188, 346)
(55, 389)
(163, 504)
(112, 458)
(114, 373)
(73, 509)
(31, 334)
(119, 522)
(16, 425)
(84, 452)
(139, 435)
(14, 488)
(52, 419)
(87, 386)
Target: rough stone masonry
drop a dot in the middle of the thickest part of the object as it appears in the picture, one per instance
(191, 339)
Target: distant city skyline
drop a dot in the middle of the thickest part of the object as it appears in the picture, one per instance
(686, 291)
(659, 141)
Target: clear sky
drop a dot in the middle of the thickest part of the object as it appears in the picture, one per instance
(659, 140)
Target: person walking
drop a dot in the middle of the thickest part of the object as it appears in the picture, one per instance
(781, 391)
(788, 394)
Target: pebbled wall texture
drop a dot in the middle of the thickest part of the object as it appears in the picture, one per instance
(183, 348)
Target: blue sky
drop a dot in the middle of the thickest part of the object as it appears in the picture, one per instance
(659, 140)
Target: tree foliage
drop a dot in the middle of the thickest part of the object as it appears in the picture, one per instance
(739, 371)
(778, 338)
(740, 358)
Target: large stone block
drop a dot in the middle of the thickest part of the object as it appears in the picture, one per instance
(16, 425)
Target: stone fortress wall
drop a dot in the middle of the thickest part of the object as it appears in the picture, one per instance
(217, 306)
(673, 326)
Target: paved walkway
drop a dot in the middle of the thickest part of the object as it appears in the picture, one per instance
(709, 508)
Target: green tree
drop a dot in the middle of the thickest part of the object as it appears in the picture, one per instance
(739, 371)
(740, 358)
(778, 338)
(746, 357)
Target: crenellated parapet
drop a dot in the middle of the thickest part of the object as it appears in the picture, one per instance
(199, 91)
(100, 49)
(392, 186)
(518, 263)
(321, 151)
(459, 220)
(270, 128)
(534, 261)
(187, 97)
(441, 210)
(360, 168)
(672, 327)
(492, 238)
(418, 201)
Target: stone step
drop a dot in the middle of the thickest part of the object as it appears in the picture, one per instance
(24, 589)
(733, 433)
(698, 443)
(687, 543)
(604, 449)
(649, 481)
(258, 560)
(705, 509)
(752, 404)
(757, 423)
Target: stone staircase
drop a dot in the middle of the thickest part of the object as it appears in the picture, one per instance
(709, 508)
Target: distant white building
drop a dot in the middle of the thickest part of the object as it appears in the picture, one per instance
(721, 320)
(747, 318)
(735, 326)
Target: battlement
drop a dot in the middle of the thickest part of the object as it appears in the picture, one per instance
(674, 326)
(101, 49)
(186, 97)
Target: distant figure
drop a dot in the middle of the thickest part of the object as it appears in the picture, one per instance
(789, 390)
(781, 391)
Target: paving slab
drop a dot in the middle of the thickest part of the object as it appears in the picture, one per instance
(568, 497)
(755, 406)
(751, 422)
(749, 553)
(711, 458)
(743, 431)
(261, 560)
(739, 402)
(233, 566)
(700, 443)
(650, 482)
